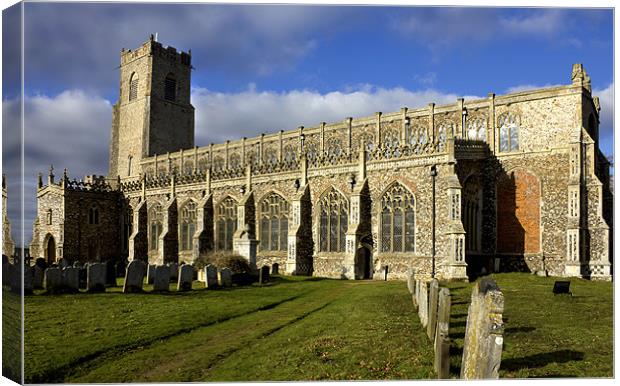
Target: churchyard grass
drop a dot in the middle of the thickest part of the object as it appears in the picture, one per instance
(11, 338)
(545, 335)
(305, 329)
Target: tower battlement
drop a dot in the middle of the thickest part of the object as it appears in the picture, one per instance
(154, 48)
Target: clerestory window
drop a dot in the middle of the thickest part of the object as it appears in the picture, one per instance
(508, 132)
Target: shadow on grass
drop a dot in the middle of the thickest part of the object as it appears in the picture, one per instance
(541, 360)
(514, 330)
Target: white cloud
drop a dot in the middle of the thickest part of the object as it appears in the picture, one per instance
(541, 22)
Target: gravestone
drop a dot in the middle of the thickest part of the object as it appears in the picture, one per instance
(37, 277)
(63, 263)
(41, 263)
(150, 274)
(83, 276)
(211, 276)
(263, 275)
(411, 280)
(482, 346)
(71, 279)
(77, 264)
(225, 277)
(52, 279)
(423, 303)
(432, 309)
(110, 274)
(275, 269)
(442, 337)
(96, 275)
(134, 277)
(174, 271)
(28, 280)
(561, 287)
(186, 274)
(161, 279)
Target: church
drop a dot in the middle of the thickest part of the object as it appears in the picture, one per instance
(512, 182)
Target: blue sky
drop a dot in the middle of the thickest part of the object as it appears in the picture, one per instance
(261, 68)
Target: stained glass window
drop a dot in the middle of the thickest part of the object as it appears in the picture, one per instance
(274, 223)
(188, 226)
(226, 223)
(155, 219)
(334, 214)
(397, 220)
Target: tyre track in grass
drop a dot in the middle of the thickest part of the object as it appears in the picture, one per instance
(190, 356)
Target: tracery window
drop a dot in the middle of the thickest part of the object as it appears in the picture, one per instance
(274, 223)
(155, 217)
(170, 88)
(218, 163)
(334, 148)
(508, 132)
(391, 139)
(93, 216)
(187, 224)
(226, 223)
(251, 158)
(397, 220)
(289, 153)
(312, 151)
(333, 221)
(133, 87)
(442, 132)
(234, 161)
(417, 135)
(270, 156)
(477, 129)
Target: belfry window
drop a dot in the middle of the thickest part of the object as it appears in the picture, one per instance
(508, 132)
(49, 217)
(188, 226)
(170, 88)
(397, 220)
(273, 223)
(133, 87)
(333, 222)
(226, 224)
(156, 217)
(93, 216)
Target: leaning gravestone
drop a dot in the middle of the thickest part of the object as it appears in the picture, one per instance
(150, 274)
(423, 303)
(275, 269)
(432, 309)
(37, 277)
(263, 275)
(52, 280)
(225, 277)
(161, 278)
(211, 276)
(134, 277)
(186, 274)
(96, 274)
(442, 337)
(71, 279)
(482, 346)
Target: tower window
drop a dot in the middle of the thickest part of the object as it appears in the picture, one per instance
(133, 87)
(170, 88)
(93, 216)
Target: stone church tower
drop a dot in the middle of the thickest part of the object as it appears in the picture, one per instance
(153, 114)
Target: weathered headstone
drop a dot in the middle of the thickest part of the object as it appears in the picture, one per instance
(263, 275)
(161, 278)
(225, 277)
(432, 309)
(275, 269)
(186, 274)
(442, 337)
(71, 279)
(416, 293)
(41, 263)
(423, 303)
(411, 280)
(110, 274)
(28, 280)
(77, 264)
(96, 274)
(482, 346)
(174, 271)
(134, 277)
(52, 280)
(63, 263)
(150, 274)
(211, 276)
(37, 277)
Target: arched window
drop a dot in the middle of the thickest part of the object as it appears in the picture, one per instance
(397, 220)
(187, 224)
(477, 129)
(155, 217)
(444, 128)
(312, 150)
(334, 148)
(270, 156)
(218, 163)
(133, 87)
(333, 221)
(391, 139)
(273, 223)
(226, 223)
(93, 216)
(49, 217)
(508, 132)
(234, 161)
(290, 154)
(170, 88)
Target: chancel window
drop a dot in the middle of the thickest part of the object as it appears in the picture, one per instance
(226, 223)
(133, 87)
(170, 88)
(508, 132)
(187, 224)
(333, 222)
(156, 218)
(273, 223)
(397, 220)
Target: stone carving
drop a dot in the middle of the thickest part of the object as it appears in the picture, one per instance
(161, 278)
(186, 273)
(134, 277)
(482, 349)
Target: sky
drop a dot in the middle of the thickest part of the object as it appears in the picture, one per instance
(262, 68)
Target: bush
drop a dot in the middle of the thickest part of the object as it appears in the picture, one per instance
(223, 259)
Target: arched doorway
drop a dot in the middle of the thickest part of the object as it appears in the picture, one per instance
(362, 263)
(50, 250)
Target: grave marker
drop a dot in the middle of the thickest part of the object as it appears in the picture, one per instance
(161, 279)
(442, 337)
(186, 274)
(71, 279)
(432, 309)
(134, 278)
(211, 276)
(52, 280)
(96, 274)
(225, 277)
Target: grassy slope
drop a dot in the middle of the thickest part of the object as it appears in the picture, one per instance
(11, 335)
(301, 329)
